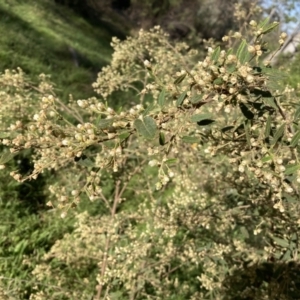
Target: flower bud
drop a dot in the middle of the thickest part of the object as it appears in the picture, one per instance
(147, 64)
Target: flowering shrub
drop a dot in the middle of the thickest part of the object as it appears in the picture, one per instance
(204, 166)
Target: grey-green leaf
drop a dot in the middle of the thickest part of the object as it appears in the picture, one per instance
(190, 139)
(196, 98)
(270, 27)
(263, 23)
(268, 127)
(179, 79)
(104, 123)
(295, 139)
(6, 157)
(270, 102)
(229, 52)
(266, 158)
(278, 134)
(124, 135)
(146, 127)
(218, 81)
(281, 242)
(171, 161)
(87, 162)
(291, 169)
(148, 109)
(198, 118)
(162, 139)
(162, 98)
(181, 99)
(297, 114)
(287, 255)
(216, 54)
(242, 52)
(4, 135)
(246, 126)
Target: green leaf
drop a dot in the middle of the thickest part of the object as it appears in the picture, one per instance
(246, 126)
(181, 99)
(269, 27)
(179, 79)
(116, 295)
(291, 169)
(281, 242)
(6, 157)
(87, 162)
(295, 139)
(146, 127)
(198, 118)
(266, 158)
(218, 81)
(162, 139)
(148, 109)
(190, 139)
(244, 232)
(196, 98)
(263, 23)
(216, 54)
(269, 101)
(268, 127)
(20, 247)
(162, 98)
(171, 161)
(104, 123)
(4, 135)
(246, 111)
(278, 134)
(231, 68)
(229, 51)
(287, 255)
(124, 135)
(242, 52)
(297, 114)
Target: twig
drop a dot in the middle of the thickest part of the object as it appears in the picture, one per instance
(107, 243)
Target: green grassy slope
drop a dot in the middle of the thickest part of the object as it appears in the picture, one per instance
(40, 36)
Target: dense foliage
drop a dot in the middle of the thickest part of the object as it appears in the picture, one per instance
(198, 177)
(191, 20)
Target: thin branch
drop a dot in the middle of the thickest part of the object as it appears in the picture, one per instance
(107, 243)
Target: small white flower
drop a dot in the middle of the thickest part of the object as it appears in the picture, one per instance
(241, 168)
(249, 78)
(227, 109)
(65, 142)
(74, 193)
(158, 186)
(237, 35)
(171, 174)
(111, 135)
(283, 35)
(147, 64)
(110, 111)
(153, 163)
(80, 103)
(36, 117)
